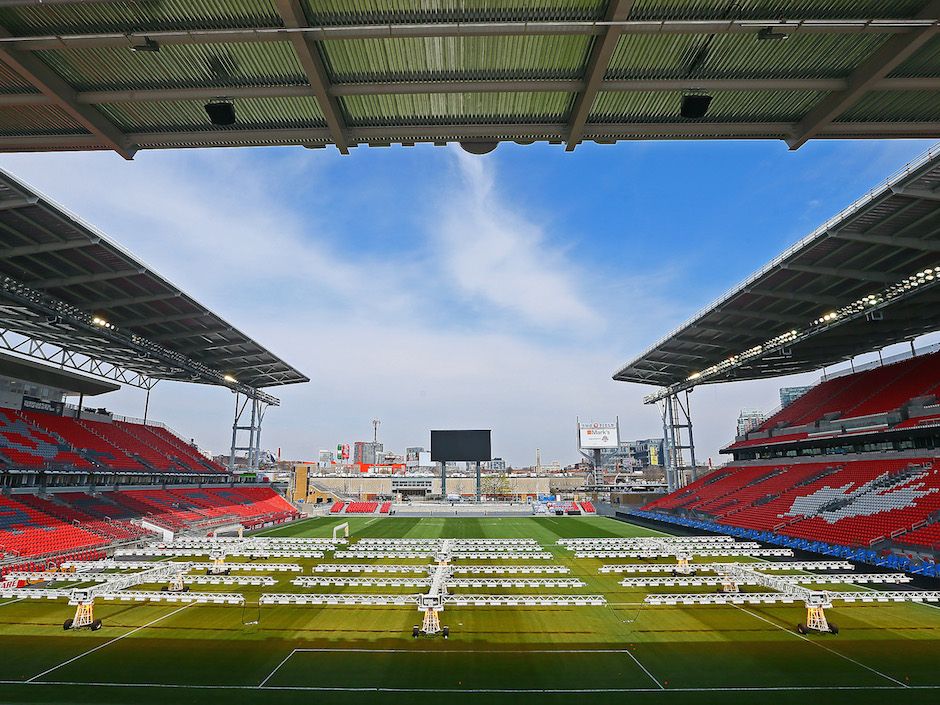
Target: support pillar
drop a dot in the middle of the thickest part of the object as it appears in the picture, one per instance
(479, 484)
(253, 448)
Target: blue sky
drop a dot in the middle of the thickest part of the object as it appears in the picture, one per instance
(434, 289)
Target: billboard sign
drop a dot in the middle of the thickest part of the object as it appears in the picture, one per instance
(448, 446)
(342, 451)
(592, 436)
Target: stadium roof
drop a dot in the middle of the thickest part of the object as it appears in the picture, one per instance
(30, 371)
(125, 75)
(63, 282)
(864, 280)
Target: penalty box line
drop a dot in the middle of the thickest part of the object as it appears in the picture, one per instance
(107, 643)
(824, 648)
(465, 651)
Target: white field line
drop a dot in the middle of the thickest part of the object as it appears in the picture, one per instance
(277, 668)
(549, 691)
(470, 651)
(108, 643)
(462, 651)
(645, 670)
(10, 602)
(822, 646)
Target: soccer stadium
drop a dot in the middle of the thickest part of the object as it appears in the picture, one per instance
(138, 567)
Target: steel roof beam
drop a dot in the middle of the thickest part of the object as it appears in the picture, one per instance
(57, 246)
(464, 29)
(160, 320)
(604, 132)
(735, 330)
(920, 193)
(50, 84)
(910, 243)
(191, 333)
(292, 13)
(16, 203)
(457, 86)
(863, 79)
(598, 62)
(58, 282)
(131, 300)
(878, 277)
(762, 315)
(795, 296)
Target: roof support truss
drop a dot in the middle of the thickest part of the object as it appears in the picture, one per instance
(803, 297)
(598, 62)
(42, 325)
(292, 14)
(888, 57)
(57, 282)
(491, 86)
(50, 84)
(57, 246)
(910, 243)
(862, 275)
(467, 29)
(49, 353)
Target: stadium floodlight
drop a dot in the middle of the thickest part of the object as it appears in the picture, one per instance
(695, 105)
(229, 378)
(221, 112)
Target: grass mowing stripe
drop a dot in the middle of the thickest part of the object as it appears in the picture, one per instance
(107, 643)
(825, 648)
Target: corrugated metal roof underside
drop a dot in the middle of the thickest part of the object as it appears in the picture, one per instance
(131, 16)
(456, 108)
(647, 56)
(345, 12)
(456, 58)
(263, 72)
(187, 115)
(726, 106)
(762, 9)
(32, 120)
(222, 65)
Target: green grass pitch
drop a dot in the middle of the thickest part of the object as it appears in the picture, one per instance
(624, 652)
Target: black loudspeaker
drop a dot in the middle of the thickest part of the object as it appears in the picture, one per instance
(221, 113)
(446, 632)
(694, 106)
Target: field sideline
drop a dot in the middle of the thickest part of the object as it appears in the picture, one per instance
(149, 653)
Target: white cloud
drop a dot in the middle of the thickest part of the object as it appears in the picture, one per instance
(496, 257)
(531, 355)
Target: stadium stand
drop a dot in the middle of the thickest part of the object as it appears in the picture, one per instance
(362, 507)
(25, 445)
(63, 522)
(884, 404)
(36, 439)
(852, 502)
(337, 507)
(26, 531)
(587, 507)
(386, 508)
(879, 390)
